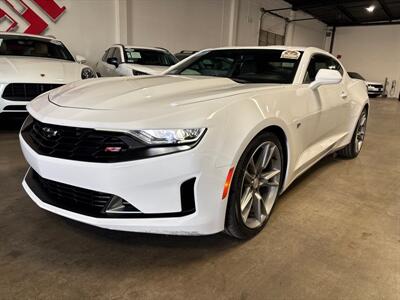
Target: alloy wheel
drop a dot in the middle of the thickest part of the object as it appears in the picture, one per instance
(260, 185)
(360, 132)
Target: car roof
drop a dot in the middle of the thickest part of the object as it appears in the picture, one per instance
(308, 50)
(142, 47)
(28, 35)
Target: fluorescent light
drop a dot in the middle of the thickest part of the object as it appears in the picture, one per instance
(370, 8)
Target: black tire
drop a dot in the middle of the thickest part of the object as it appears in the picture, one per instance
(234, 225)
(351, 151)
(373, 96)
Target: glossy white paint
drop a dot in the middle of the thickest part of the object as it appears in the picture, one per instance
(314, 122)
(18, 69)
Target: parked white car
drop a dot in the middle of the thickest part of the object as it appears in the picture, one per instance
(31, 65)
(206, 148)
(374, 89)
(120, 60)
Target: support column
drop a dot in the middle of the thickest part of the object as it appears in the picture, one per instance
(121, 21)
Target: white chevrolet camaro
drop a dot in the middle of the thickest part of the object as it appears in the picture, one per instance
(207, 147)
(31, 65)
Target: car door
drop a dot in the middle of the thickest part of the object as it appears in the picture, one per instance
(324, 122)
(332, 98)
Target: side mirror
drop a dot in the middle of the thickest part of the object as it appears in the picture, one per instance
(324, 77)
(80, 59)
(113, 61)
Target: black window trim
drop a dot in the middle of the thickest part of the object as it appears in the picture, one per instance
(322, 54)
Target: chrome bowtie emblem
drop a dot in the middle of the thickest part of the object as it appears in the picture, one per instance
(49, 132)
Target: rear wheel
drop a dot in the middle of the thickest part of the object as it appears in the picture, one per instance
(255, 186)
(353, 149)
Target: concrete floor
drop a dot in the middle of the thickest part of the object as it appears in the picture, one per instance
(335, 234)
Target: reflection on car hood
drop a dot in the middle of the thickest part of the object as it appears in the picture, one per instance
(38, 70)
(148, 69)
(146, 92)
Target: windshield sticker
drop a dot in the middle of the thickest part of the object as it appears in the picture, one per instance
(133, 55)
(290, 54)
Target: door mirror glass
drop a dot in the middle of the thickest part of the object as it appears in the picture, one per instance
(113, 61)
(324, 77)
(80, 59)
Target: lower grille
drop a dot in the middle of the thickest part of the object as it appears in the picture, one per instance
(15, 107)
(70, 197)
(26, 91)
(94, 204)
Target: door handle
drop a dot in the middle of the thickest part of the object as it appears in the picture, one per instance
(343, 95)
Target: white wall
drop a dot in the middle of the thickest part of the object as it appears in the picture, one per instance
(88, 27)
(372, 51)
(178, 24)
(194, 24)
(304, 33)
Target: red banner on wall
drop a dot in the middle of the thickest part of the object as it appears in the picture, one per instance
(36, 24)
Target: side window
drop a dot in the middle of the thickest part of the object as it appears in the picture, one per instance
(336, 66)
(110, 53)
(317, 63)
(104, 58)
(117, 55)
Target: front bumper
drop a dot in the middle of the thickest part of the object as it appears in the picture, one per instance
(7, 106)
(151, 185)
(375, 90)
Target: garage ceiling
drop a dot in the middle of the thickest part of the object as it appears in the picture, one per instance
(350, 12)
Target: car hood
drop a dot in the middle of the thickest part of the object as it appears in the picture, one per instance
(152, 70)
(38, 70)
(146, 92)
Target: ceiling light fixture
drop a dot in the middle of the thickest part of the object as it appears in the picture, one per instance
(370, 8)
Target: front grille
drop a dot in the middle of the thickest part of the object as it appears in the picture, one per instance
(81, 144)
(84, 144)
(26, 91)
(376, 86)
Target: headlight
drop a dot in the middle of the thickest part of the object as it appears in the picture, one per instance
(169, 136)
(88, 73)
(137, 73)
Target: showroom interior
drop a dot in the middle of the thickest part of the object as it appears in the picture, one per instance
(335, 228)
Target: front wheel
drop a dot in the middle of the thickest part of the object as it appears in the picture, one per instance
(255, 186)
(353, 149)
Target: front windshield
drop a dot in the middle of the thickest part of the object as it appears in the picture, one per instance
(244, 65)
(149, 57)
(33, 47)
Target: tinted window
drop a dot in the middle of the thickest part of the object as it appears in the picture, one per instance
(149, 57)
(110, 53)
(318, 62)
(118, 55)
(104, 58)
(33, 47)
(245, 66)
